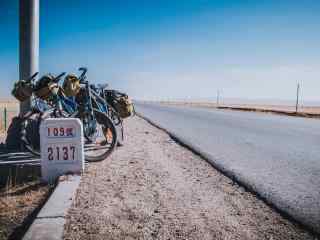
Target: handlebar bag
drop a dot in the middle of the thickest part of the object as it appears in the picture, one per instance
(45, 87)
(22, 90)
(71, 85)
(124, 107)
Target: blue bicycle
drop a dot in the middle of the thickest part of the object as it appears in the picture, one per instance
(99, 130)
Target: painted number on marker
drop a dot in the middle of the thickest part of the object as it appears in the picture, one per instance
(60, 132)
(61, 153)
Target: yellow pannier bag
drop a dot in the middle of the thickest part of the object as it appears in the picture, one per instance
(124, 106)
(22, 90)
(71, 85)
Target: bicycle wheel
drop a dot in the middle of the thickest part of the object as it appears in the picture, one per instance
(30, 129)
(118, 122)
(97, 150)
(104, 142)
(30, 136)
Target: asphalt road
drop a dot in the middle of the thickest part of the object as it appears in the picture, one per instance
(276, 156)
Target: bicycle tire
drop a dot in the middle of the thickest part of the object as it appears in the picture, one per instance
(30, 136)
(30, 130)
(104, 120)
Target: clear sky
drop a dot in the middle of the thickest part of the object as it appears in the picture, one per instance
(176, 49)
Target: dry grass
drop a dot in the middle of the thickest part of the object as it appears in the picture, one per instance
(10, 104)
(17, 203)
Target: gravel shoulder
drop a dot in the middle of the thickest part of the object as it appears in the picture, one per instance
(153, 188)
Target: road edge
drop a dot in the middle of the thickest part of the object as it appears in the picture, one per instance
(234, 177)
(273, 111)
(241, 108)
(50, 221)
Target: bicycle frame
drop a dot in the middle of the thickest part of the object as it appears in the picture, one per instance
(85, 107)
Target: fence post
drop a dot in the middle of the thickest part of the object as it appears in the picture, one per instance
(5, 118)
(297, 100)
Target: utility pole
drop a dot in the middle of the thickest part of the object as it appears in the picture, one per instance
(28, 43)
(297, 100)
(218, 98)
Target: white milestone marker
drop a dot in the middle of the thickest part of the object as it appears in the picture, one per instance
(61, 142)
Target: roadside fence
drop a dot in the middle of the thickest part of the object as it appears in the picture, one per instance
(6, 115)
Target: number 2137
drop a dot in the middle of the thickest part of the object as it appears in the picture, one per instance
(61, 153)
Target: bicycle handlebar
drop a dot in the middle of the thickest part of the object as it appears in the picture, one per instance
(83, 74)
(103, 86)
(57, 79)
(32, 77)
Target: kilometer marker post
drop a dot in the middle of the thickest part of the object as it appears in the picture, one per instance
(62, 147)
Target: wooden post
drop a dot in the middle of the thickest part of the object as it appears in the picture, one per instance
(5, 118)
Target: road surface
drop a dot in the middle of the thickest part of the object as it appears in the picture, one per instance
(152, 188)
(276, 156)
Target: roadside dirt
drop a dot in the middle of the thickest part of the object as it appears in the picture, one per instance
(16, 205)
(152, 188)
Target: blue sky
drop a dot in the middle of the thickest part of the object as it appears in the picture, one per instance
(176, 49)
